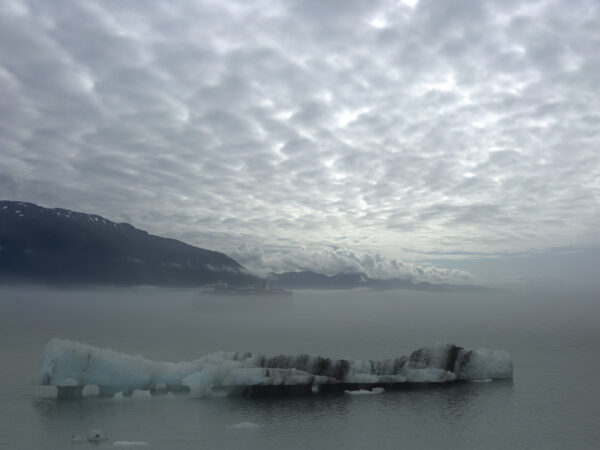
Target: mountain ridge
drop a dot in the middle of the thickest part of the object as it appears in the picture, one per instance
(307, 279)
(60, 246)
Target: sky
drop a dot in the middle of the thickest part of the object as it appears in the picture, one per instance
(442, 141)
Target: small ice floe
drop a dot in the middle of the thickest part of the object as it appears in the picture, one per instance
(160, 387)
(90, 391)
(141, 393)
(136, 394)
(245, 426)
(96, 436)
(377, 390)
(129, 443)
(483, 380)
(92, 436)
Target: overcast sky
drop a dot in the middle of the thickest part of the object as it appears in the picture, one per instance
(440, 140)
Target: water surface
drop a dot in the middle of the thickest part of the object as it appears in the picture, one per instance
(552, 403)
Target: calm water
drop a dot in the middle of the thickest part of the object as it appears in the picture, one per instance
(552, 403)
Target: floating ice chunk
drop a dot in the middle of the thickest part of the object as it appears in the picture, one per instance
(129, 443)
(200, 383)
(160, 388)
(267, 377)
(141, 393)
(366, 391)
(71, 366)
(90, 390)
(69, 382)
(484, 364)
(245, 426)
(96, 436)
(429, 375)
(92, 436)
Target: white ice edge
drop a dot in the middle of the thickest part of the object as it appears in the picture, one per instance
(373, 391)
(71, 365)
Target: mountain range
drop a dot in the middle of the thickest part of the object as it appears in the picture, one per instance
(59, 246)
(314, 280)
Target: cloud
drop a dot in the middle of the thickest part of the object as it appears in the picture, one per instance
(372, 125)
(334, 261)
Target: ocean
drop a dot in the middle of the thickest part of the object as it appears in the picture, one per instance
(553, 401)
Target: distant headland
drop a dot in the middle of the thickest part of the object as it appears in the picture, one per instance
(57, 246)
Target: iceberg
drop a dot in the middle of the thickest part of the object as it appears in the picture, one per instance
(71, 366)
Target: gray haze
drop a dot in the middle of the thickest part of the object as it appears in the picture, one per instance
(437, 140)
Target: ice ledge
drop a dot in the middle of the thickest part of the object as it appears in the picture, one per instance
(70, 366)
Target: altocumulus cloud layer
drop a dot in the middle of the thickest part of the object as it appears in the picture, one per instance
(379, 127)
